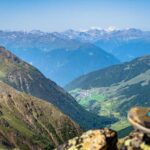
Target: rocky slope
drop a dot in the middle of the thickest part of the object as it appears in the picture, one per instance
(114, 90)
(28, 79)
(27, 122)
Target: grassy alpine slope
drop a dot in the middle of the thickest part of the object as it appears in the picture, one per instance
(27, 122)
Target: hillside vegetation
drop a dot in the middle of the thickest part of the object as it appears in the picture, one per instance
(27, 122)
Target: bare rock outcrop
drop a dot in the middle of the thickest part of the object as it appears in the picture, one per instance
(102, 139)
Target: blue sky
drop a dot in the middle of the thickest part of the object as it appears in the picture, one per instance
(59, 15)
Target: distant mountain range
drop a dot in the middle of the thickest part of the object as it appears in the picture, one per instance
(63, 56)
(26, 78)
(114, 90)
(125, 44)
(60, 58)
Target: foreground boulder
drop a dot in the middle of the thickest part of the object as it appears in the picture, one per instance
(106, 139)
(136, 140)
(102, 139)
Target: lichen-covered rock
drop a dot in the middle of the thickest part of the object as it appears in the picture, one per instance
(102, 139)
(137, 140)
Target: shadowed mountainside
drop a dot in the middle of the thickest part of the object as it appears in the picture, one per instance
(57, 56)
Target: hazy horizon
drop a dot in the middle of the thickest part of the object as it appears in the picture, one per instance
(56, 15)
(107, 29)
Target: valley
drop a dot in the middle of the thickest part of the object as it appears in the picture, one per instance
(26, 78)
(96, 99)
(74, 75)
(114, 90)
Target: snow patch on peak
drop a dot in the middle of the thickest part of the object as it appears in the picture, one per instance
(96, 28)
(111, 29)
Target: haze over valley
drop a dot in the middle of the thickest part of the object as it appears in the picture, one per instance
(63, 56)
